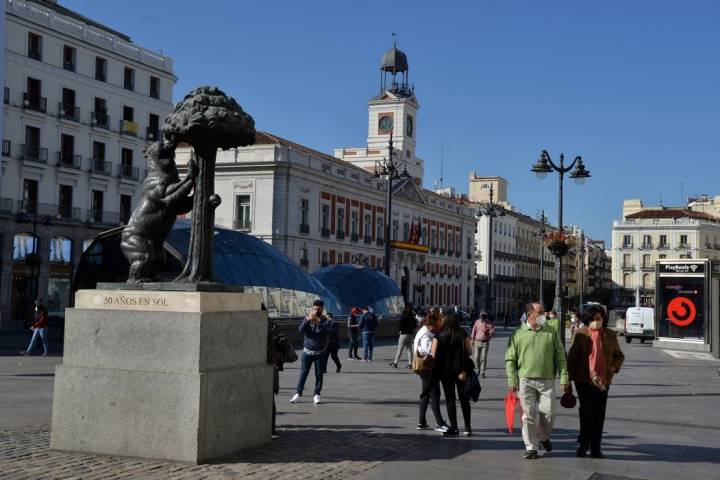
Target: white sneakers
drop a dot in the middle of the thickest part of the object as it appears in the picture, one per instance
(296, 398)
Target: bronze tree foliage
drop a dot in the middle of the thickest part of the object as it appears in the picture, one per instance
(208, 120)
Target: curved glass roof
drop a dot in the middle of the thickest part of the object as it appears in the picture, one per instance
(239, 259)
(356, 286)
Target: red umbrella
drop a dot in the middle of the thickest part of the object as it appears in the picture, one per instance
(511, 400)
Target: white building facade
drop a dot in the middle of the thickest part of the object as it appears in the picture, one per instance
(648, 234)
(80, 104)
(321, 210)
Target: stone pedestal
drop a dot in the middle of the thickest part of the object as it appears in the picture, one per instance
(165, 375)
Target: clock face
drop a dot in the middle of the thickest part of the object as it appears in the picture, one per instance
(385, 123)
(410, 127)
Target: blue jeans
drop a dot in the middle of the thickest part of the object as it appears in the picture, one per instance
(368, 341)
(306, 362)
(42, 333)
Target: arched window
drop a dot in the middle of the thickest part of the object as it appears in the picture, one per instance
(647, 281)
(60, 250)
(626, 280)
(23, 243)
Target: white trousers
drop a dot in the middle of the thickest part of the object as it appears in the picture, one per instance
(537, 397)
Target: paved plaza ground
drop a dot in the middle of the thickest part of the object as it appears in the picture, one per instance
(663, 422)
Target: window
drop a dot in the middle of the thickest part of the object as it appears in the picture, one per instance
(647, 241)
(100, 69)
(66, 155)
(354, 224)
(98, 151)
(325, 219)
(627, 241)
(68, 109)
(380, 233)
(662, 256)
(153, 129)
(683, 240)
(626, 260)
(34, 46)
(31, 149)
(340, 230)
(60, 250)
(663, 240)
(406, 232)
(69, 58)
(33, 98)
(646, 263)
(23, 243)
(125, 208)
(304, 212)
(126, 157)
(394, 232)
(127, 170)
(129, 78)
(30, 195)
(242, 212)
(154, 87)
(96, 203)
(128, 113)
(647, 281)
(367, 225)
(99, 116)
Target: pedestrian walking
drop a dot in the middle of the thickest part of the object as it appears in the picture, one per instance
(315, 330)
(534, 356)
(506, 321)
(452, 362)
(483, 331)
(425, 345)
(406, 336)
(593, 359)
(39, 329)
(368, 325)
(333, 344)
(353, 328)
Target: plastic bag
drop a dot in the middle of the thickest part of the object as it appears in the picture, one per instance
(511, 400)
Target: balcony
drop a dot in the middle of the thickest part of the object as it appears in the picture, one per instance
(129, 128)
(304, 228)
(34, 102)
(340, 235)
(242, 224)
(627, 267)
(646, 246)
(68, 111)
(6, 95)
(69, 66)
(325, 232)
(648, 266)
(68, 212)
(367, 239)
(152, 134)
(684, 245)
(304, 262)
(379, 241)
(69, 160)
(100, 166)
(33, 153)
(101, 216)
(627, 246)
(6, 205)
(354, 237)
(128, 171)
(663, 246)
(6, 148)
(60, 212)
(100, 120)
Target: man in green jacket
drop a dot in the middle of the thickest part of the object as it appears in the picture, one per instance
(534, 356)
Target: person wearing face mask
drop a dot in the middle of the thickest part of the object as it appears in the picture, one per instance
(533, 357)
(593, 359)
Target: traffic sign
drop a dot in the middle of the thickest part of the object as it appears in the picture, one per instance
(681, 311)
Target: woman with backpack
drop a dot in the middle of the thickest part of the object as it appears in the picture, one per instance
(451, 367)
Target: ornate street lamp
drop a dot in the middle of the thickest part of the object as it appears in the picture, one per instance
(577, 170)
(490, 210)
(389, 169)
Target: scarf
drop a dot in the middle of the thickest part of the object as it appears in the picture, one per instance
(597, 356)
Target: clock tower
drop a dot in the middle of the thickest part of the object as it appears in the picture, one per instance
(392, 112)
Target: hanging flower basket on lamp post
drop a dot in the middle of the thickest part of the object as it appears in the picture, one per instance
(558, 243)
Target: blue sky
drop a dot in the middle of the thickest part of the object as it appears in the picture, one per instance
(631, 85)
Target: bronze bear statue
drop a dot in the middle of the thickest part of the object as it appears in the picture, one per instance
(163, 197)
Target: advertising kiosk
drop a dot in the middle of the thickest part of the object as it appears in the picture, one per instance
(687, 311)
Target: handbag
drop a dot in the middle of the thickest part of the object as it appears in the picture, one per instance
(472, 385)
(421, 363)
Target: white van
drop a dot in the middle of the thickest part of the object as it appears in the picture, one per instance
(639, 323)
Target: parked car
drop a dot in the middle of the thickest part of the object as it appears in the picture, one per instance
(639, 323)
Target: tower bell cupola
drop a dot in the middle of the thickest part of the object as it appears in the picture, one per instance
(394, 73)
